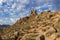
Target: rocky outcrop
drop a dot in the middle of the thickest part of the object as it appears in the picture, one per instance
(33, 13)
(43, 26)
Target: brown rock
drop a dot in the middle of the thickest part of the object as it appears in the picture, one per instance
(44, 26)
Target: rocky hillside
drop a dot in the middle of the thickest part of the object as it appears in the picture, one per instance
(42, 26)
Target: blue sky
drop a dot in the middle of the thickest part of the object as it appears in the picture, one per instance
(12, 10)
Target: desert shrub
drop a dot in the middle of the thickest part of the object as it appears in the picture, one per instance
(29, 39)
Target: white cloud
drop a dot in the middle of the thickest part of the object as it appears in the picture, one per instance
(12, 20)
(8, 21)
(38, 7)
(20, 7)
(1, 22)
(1, 1)
(24, 1)
(14, 5)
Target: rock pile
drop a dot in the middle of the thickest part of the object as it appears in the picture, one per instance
(43, 26)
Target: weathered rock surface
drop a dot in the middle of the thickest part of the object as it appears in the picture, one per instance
(43, 26)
